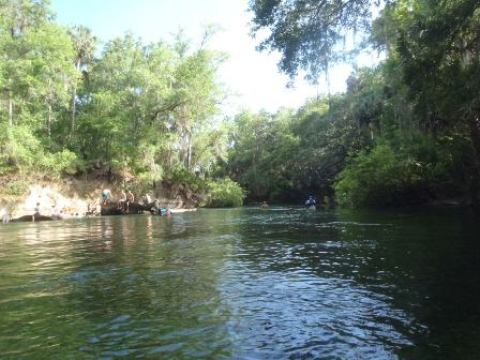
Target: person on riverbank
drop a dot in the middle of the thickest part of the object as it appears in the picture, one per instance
(93, 208)
(130, 199)
(148, 199)
(106, 195)
(36, 212)
(122, 203)
(264, 205)
(4, 216)
(165, 212)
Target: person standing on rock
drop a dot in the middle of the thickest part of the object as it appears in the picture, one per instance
(148, 199)
(122, 203)
(106, 194)
(130, 199)
(4, 216)
(36, 212)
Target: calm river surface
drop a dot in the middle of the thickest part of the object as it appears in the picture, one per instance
(243, 284)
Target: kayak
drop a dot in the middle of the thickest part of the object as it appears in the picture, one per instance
(311, 207)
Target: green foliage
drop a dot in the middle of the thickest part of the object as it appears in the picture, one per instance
(405, 131)
(411, 127)
(22, 151)
(148, 170)
(224, 193)
(153, 103)
(61, 163)
(20, 148)
(284, 156)
(182, 176)
(16, 187)
(307, 32)
(261, 159)
(404, 172)
(147, 109)
(379, 177)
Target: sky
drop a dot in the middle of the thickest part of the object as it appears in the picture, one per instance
(251, 77)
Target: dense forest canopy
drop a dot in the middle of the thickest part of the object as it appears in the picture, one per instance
(405, 131)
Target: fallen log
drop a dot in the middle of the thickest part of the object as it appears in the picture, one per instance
(124, 208)
(33, 218)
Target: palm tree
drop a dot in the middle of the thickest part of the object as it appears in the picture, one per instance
(84, 44)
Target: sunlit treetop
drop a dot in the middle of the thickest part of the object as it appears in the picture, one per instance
(308, 33)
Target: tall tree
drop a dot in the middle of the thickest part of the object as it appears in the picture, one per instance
(307, 32)
(17, 19)
(84, 44)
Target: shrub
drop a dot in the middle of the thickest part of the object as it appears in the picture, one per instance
(381, 177)
(416, 171)
(19, 147)
(16, 187)
(63, 162)
(224, 193)
(181, 175)
(147, 168)
(22, 151)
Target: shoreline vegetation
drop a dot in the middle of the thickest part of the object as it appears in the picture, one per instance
(129, 116)
(406, 132)
(146, 117)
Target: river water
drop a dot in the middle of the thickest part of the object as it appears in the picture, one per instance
(243, 284)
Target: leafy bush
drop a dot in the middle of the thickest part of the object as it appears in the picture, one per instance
(182, 176)
(20, 148)
(17, 187)
(417, 171)
(63, 162)
(224, 193)
(147, 169)
(380, 177)
(22, 151)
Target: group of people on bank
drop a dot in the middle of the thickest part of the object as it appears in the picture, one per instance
(43, 204)
(127, 199)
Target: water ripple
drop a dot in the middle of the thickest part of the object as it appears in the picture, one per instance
(237, 284)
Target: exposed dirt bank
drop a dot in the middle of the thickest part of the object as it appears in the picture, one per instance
(73, 197)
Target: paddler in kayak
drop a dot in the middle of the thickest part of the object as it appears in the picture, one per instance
(311, 203)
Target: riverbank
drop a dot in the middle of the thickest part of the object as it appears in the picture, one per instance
(73, 197)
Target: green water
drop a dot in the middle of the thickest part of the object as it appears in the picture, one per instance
(243, 284)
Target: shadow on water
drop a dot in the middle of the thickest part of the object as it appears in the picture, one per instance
(374, 285)
(243, 283)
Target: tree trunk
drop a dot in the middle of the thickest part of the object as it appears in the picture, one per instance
(10, 111)
(74, 108)
(254, 166)
(78, 65)
(189, 154)
(475, 179)
(327, 80)
(49, 120)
